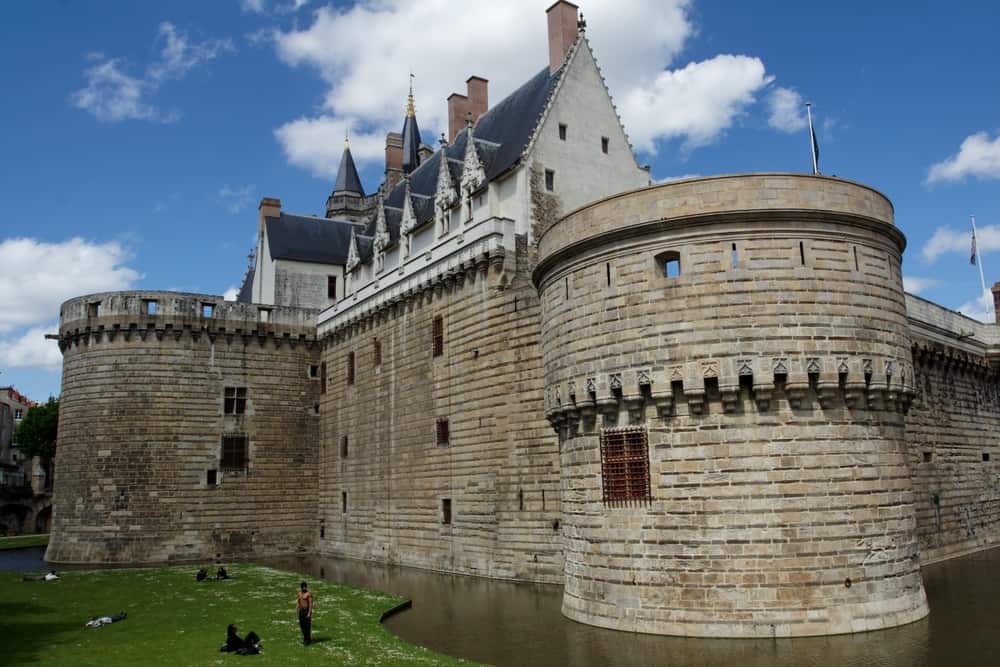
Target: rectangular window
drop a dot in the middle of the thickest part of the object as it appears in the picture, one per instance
(928, 457)
(207, 310)
(986, 456)
(150, 306)
(322, 378)
(211, 477)
(331, 287)
(446, 510)
(377, 351)
(343, 502)
(625, 466)
(438, 336)
(443, 434)
(18, 413)
(604, 145)
(562, 131)
(343, 446)
(92, 308)
(235, 401)
(550, 180)
(350, 368)
(736, 258)
(313, 371)
(264, 314)
(234, 453)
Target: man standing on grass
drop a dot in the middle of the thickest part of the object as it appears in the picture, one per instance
(304, 603)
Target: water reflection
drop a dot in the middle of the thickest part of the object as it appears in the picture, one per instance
(517, 624)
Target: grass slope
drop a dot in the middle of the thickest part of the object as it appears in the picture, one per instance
(24, 541)
(174, 620)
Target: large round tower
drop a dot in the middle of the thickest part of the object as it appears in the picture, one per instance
(727, 365)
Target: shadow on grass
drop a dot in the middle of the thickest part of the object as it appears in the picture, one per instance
(320, 640)
(27, 633)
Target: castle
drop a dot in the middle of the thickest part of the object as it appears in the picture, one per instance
(704, 407)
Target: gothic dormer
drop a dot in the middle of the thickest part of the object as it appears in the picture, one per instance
(409, 220)
(473, 174)
(411, 135)
(381, 240)
(445, 195)
(353, 256)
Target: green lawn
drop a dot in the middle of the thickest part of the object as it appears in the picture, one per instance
(174, 620)
(24, 541)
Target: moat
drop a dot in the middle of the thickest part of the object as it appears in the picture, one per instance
(505, 623)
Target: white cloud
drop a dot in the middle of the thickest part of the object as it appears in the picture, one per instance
(670, 179)
(231, 293)
(112, 95)
(236, 198)
(696, 103)
(786, 110)
(364, 54)
(36, 277)
(978, 156)
(916, 284)
(980, 309)
(260, 6)
(253, 6)
(31, 349)
(950, 240)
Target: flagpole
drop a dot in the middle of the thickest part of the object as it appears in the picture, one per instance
(812, 137)
(979, 257)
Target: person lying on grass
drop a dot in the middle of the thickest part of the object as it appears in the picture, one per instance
(98, 621)
(51, 576)
(234, 644)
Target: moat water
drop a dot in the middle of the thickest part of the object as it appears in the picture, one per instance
(520, 624)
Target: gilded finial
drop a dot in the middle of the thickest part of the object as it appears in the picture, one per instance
(410, 111)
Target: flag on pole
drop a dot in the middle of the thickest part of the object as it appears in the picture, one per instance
(812, 135)
(972, 253)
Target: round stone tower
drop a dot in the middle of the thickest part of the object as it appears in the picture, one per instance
(187, 429)
(727, 366)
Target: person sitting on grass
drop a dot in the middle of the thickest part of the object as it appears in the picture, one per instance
(202, 575)
(233, 640)
(98, 621)
(51, 576)
(221, 574)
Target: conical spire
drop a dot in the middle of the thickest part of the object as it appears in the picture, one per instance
(347, 175)
(411, 135)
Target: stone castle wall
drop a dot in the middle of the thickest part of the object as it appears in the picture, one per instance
(770, 377)
(382, 498)
(141, 422)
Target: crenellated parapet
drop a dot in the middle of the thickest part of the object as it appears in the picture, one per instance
(152, 315)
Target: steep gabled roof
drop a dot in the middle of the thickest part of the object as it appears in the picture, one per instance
(309, 239)
(245, 295)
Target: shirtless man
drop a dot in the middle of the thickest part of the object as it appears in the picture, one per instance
(304, 603)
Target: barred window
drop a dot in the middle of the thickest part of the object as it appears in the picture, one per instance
(443, 435)
(235, 401)
(377, 351)
(438, 336)
(350, 368)
(234, 453)
(625, 466)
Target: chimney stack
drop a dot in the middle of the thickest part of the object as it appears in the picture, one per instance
(269, 208)
(996, 302)
(562, 32)
(457, 106)
(393, 160)
(476, 101)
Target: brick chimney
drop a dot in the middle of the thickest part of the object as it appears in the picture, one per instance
(996, 302)
(476, 101)
(457, 106)
(393, 160)
(269, 208)
(562, 32)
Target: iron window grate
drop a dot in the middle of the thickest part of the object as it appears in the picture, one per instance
(625, 467)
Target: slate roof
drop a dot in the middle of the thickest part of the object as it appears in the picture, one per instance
(347, 175)
(245, 295)
(308, 239)
(411, 143)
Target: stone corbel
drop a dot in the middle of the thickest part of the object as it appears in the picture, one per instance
(762, 396)
(635, 403)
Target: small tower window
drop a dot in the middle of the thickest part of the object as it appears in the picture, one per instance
(736, 257)
(550, 180)
(562, 131)
(235, 402)
(604, 145)
(438, 336)
(377, 351)
(343, 447)
(443, 433)
(343, 502)
(331, 287)
(446, 511)
(350, 367)
(669, 263)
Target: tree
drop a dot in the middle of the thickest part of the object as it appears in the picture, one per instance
(36, 434)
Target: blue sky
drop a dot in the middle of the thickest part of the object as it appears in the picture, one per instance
(140, 136)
